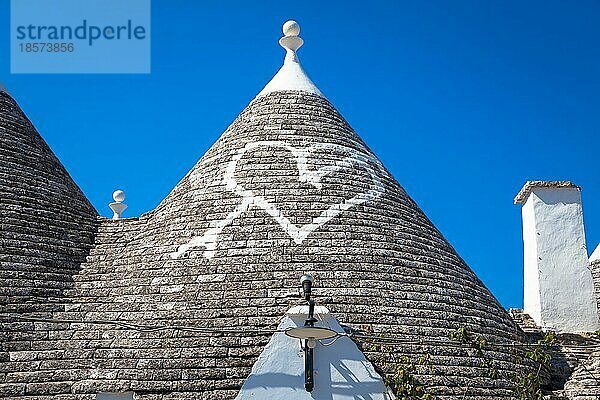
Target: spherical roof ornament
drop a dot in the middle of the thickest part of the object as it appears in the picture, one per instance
(291, 28)
(290, 41)
(118, 196)
(118, 206)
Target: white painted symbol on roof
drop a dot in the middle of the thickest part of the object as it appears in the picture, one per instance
(313, 177)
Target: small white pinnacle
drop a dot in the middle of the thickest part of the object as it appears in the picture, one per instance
(291, 42)
(291, 76)
(118, 207)
(291, 28)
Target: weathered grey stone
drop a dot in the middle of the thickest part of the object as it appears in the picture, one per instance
(574, 372)
(379, 263)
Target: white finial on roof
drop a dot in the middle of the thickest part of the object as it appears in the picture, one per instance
(118, 207)
(290, 41)
(291, 76)
(291, 28)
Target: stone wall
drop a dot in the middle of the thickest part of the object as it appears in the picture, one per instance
(575, 365)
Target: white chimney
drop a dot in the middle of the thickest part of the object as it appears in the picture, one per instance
(558, 287)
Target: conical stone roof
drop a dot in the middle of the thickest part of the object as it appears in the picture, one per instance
(288, 189)
(250, 217)
(48, 225)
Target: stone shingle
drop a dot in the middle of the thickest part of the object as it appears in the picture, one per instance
(377, 259)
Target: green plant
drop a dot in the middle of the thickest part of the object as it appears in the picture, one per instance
(478, 344)
(529, 387)
(400, 374)
(401, 379)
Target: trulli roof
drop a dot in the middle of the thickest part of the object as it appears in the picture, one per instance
(180, 302)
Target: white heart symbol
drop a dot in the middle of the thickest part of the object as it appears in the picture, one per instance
(313, 177)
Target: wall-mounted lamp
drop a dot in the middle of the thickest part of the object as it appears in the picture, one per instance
(306, 281)
(309, 333)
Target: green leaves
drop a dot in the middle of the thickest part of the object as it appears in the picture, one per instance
(478, 344)
(402, 379)
(401, 373)
(460, 335)
(529, 387)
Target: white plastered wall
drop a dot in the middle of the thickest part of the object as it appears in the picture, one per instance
(341, 371)
(531, 293)
(559, 290)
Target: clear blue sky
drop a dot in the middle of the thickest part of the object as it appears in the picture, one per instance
(462, 100)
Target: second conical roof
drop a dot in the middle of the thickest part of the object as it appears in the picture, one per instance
(48, 225)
